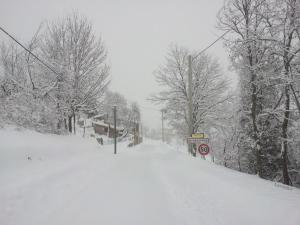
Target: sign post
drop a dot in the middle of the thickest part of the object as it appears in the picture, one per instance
(198, 135)
(200, 143)
(203, 149)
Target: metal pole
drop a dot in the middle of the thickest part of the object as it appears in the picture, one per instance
(142, 135)
(84, 128)
(115, 129)
(134, 133)
(190, 100)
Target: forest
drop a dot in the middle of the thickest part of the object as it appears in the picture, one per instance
(255, 127)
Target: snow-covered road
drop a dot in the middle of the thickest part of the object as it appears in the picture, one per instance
(153, 184)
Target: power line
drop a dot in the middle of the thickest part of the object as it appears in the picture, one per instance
(218, 39)
(31, 53)
(214, 42)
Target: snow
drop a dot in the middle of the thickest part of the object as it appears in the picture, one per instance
(70, 180)
(101, 123)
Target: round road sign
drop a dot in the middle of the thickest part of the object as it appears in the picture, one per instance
(203, 149)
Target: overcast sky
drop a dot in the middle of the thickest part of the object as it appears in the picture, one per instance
(137, 34)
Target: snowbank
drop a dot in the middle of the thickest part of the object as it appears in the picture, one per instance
(62, 180)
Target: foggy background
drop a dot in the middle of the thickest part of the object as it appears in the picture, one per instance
(136, 33)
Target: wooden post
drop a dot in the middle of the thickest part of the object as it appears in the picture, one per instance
(190, 101)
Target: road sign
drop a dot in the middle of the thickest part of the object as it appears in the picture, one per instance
(198, 135)
(203, 149)
(192, 140)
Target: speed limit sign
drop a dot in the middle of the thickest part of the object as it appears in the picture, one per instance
(203, 149)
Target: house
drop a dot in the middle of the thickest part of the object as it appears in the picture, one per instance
(103, 127)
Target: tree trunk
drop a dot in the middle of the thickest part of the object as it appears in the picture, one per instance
(58, 121)
(252, 57)
(66, 125)
(285, 173)
(74, 123)
(70, 124)
(224, 155)
(291, 12)
(255, 128)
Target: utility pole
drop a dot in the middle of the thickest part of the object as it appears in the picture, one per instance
(190, 103)
(84, 127)
(74, 121)
(162, 126)
(115, 129)
(141, 127)
(134, 133)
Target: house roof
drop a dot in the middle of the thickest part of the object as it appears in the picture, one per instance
(103, 124)
(99, 115)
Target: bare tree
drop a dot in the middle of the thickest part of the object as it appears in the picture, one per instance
(250, 56)
(71, 45)
(264, 48)
(116, 99)
(284, 23)
(208, 90)
(22, 86)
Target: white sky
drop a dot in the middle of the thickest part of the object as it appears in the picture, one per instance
(137, 34)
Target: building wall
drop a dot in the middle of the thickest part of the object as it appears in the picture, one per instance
(102, 130)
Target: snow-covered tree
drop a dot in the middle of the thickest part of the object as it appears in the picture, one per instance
(47, 97)
(208, 90)
(224, 134)
(112, 99)
(128, 114)
(70, 45)
(134, 116)
(22, 95)
(264, 47)
(284, 23)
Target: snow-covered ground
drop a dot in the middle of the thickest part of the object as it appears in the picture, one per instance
(54, 180)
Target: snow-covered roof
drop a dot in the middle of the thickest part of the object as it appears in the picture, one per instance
(102, 123)
(99, 115)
